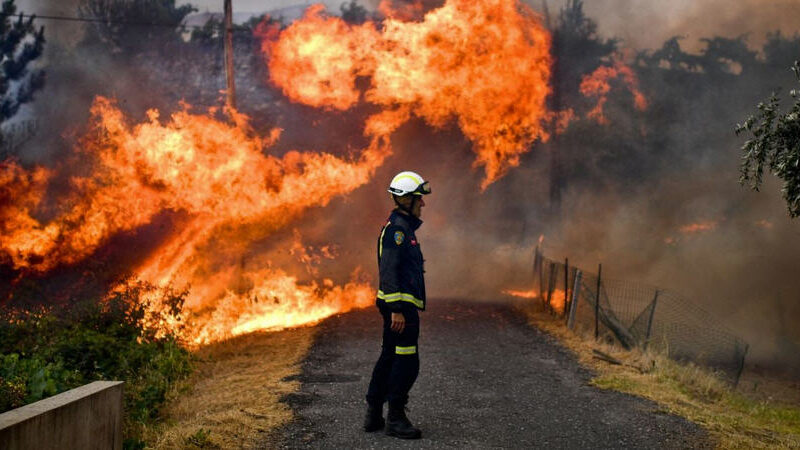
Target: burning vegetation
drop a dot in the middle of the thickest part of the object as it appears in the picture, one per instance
(217, 176)
(211, 182)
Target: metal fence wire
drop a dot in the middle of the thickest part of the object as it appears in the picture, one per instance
(637, 315)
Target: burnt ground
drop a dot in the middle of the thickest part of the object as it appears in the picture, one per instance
(487, 379)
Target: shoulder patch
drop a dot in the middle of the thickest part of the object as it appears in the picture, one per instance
(398, 237)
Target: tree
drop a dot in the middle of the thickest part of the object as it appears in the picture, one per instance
(131, 26)
(17, 83)
(577, 51)
(671, 56)
(775, 144)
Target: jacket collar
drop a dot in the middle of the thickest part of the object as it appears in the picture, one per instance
(408, 220)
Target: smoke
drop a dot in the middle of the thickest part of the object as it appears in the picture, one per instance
(59, 33)
(731, 252)
(78, 69)
(644, 24)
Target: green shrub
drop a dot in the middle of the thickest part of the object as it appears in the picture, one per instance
(46, 351)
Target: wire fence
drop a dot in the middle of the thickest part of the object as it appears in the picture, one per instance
(637, 315)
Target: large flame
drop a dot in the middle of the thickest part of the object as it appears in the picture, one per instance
(483, 63)
(215, 174)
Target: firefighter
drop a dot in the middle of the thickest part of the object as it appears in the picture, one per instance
(401, 295)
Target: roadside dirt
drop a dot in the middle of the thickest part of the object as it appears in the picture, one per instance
(233, 398)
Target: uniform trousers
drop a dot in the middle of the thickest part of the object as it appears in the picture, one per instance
(398, 365)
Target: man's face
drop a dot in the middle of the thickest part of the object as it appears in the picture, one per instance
(408, 201)
(416, 211)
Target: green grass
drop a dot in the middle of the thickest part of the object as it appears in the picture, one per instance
(696, 393)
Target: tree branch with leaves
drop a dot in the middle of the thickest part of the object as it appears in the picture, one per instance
(775, 146)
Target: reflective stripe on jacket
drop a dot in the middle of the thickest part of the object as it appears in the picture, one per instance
(400, 264)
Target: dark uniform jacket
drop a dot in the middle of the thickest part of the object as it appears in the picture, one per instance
(402, 285)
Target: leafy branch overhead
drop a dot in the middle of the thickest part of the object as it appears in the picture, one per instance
(17, 83)
(775, 145)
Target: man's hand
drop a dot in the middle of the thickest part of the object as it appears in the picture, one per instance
(398, 322)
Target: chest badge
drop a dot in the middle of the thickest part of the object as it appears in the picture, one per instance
(413, 241)
(398, 237)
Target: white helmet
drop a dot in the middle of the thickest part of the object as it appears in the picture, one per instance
(407, 182)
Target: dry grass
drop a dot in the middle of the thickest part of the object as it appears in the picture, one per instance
(233, 398)
(734, 420)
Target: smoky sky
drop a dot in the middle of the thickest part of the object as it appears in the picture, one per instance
(645, 24)
(641, 24)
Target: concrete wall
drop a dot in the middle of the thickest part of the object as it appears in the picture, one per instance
(88, 417)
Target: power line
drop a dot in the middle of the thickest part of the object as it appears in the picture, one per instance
(114, 22)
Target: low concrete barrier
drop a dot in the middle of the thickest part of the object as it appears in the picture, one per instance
(88, 417)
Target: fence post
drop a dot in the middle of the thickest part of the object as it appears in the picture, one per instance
(566, 285)
(597, 303)
(536, 262)
(650, 320)
(741, 366)
(551, 284)
(541, 280)
(573, 304)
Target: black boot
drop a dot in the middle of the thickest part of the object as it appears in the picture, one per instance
(374, 419)
(398, 425)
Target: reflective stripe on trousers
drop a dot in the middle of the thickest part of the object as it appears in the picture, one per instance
(406, 350)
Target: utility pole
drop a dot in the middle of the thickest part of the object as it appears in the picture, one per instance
(230, 84)
(556, 162)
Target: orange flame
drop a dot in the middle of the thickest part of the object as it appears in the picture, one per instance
(692, 229)
(276, 301)
(597, 84)
(521, 294)
(214, 173)
(484, 64)
(557, 298)
(698, 227)
(764, 223)
(21, 235)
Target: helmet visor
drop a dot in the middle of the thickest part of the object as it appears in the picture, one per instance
(423, 189)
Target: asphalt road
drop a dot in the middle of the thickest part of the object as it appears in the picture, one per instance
(487, 380)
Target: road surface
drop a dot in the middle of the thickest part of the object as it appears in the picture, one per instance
(487, 380)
